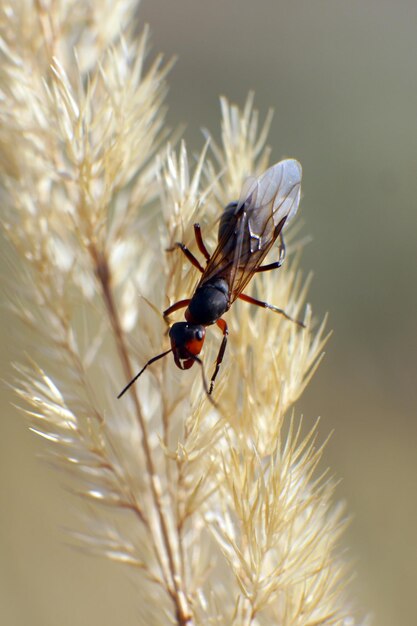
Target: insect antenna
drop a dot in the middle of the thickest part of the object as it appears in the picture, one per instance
(134, 379)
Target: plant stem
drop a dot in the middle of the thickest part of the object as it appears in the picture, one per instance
(174, 586)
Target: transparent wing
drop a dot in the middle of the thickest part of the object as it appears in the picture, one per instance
(248, 228)
(277, 190)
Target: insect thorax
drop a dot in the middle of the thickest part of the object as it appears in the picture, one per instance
(209, 303)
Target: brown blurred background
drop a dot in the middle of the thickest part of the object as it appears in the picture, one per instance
(342, 78)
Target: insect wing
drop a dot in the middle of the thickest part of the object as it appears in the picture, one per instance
(266, 203)
(249, 227)
(275, 194)
(222, 259)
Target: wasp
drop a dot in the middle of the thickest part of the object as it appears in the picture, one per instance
(247, 231)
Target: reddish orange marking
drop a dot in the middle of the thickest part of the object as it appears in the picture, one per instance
(194, 346)
(222, 325)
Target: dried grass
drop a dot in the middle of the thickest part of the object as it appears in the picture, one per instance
(230, 523)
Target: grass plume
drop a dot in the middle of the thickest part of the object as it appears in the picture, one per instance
(230, 523)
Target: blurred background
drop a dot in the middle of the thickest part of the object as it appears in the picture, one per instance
(342, 79)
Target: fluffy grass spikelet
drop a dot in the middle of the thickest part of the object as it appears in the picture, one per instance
(229, 522)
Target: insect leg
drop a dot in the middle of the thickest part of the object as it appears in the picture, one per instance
(190, 256)
(223, 327)
(272, 307)
(282, 248)
(200, 243)
(270, 266)
(281, 258)
(177, 305)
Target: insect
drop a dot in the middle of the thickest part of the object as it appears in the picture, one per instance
(247, 231)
